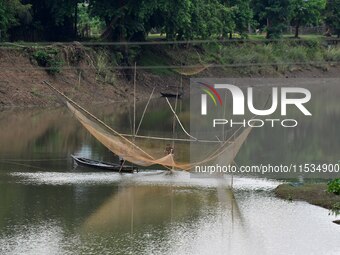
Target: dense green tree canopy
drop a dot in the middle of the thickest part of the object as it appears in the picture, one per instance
(132, 20)
(302, 12)
(11, 12)
(333, 15)
(178, 19)
(242, 15)
(274, 13)
(54, 19)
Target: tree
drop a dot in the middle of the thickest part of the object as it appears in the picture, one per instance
(11, 11)
(88, 25)
(53, 20)
(332, 16)
(202, 20)
(189, 19)
(124, 19)
(242, 16)
(274, 13)
(179, 19)
(303, 12)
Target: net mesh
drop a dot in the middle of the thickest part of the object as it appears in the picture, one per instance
(188, 71)
(130, 150)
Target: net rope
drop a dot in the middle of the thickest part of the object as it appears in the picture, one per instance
(130, 151)
(192, 70)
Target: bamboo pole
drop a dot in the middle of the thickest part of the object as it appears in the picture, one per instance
(134, 100)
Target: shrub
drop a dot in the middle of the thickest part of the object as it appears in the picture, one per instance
(103, 61)
(334, 186)
(335, 210)
(333, 54)
(49, 59)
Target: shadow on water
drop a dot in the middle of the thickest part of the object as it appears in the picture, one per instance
(160, 211)
(133, 207)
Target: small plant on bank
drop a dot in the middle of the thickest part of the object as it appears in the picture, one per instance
(48, 58)
(290, 198)
(36, 93)
(335, 209)
(334, 186)
(103, 61)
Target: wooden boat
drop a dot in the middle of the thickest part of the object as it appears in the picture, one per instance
(171, 94)
(104, 165)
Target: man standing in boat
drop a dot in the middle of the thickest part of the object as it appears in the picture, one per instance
(121, 160)
(168, 149)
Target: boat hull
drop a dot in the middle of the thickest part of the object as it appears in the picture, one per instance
(170, 95)
(104, 166)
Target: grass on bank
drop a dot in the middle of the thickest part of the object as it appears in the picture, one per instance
(334, 186)
(159, 36)
(243, 58)
(155, 59)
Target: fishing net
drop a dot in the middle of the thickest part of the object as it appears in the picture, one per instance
(188, 71)
(128, 148)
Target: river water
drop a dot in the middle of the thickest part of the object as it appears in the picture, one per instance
(49, 206)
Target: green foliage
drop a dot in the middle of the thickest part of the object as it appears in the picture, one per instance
(302, 12)
(273, 57)
(274, 13)
(333, 54)
(48, 58)
(149, 58)
(334, 186)
(54, 20)
(204, 20)
(242, 16)
(10, 13)
(103, 60)
(88, 26)
(290, 198)
(132, 20)
(124, 20)
(335, 210)
(332, 15)
(178, 19)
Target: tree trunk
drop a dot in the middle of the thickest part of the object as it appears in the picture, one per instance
(76, 20)
(268, 28)
(297, 26)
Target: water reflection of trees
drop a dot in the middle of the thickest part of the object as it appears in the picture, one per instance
(36, 130)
